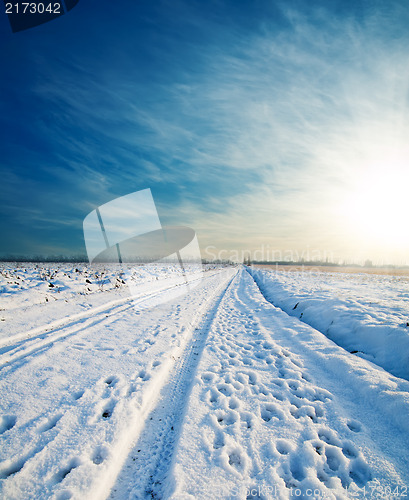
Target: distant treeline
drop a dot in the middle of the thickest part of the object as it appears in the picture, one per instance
(326, 264)
(299, 263)
(80, 258)
(84, 259)
(42, 258)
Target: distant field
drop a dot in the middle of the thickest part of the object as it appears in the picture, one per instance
(336, 269)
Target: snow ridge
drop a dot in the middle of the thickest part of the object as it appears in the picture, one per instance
(351, 310)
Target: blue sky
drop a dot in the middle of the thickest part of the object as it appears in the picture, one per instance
(272, 126)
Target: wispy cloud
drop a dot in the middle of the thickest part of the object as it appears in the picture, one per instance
(308, 112)
(252, 136)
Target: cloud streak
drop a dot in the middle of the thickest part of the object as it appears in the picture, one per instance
(254, 136)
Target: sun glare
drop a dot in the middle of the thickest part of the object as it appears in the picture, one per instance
(376, 210)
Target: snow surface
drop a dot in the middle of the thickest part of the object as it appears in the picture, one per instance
(364, 313)
(213, 394)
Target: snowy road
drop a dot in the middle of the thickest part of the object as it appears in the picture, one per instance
(216, 394)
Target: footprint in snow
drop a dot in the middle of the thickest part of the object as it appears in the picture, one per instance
(50, 423)
(131, 390)
(63, 473)
(235, 459)
(99, 455)
(143, 375)
(218, 440)
(208, 377)
(234, 403)
(12, 468)
(108, 409)
(7, 422)
(349, 450)
(111, 381)
(233, 362)
(247, 418)
(330, 437)
(213, 396)
(270, 411)
(360, 472)
(283, 446)
(339, 458)
(78, 395)
(227, 418)
(225, 389)
(354, 425)
(278, 396)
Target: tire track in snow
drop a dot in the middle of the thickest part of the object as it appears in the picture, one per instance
(115, 405)
(266, 421)
(149, 461)
(30, 343)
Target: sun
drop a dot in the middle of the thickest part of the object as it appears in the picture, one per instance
(376, 209)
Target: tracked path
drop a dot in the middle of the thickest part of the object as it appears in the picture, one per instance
(277, 410)
(15, 348)
(71, 408)
(215, 395)
(148, 463)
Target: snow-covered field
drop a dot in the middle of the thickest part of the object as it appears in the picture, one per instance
(213, 394)
(365, 313)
